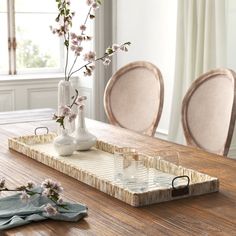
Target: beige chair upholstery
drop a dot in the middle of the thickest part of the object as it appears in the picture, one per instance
(209, 111)
(133, 97)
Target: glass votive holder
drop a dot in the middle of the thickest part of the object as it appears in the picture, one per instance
(164, 177)
(131, 170)
(168, 155)
(119, 162)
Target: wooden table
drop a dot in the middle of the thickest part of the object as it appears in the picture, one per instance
(212, 214)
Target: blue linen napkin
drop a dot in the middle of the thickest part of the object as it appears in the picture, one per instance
(14, 212)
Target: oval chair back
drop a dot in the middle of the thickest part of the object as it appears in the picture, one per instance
(209, 111)
(133, 97)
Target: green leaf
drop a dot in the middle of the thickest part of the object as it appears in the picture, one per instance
(99, 2)
(109, 51)
(60, 120)
(66, 43)
(31, 193)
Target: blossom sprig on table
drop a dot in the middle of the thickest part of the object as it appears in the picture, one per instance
(74, 41)
(49, 189)
(66, 111)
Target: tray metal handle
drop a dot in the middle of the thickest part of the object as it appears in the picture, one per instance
(180, 191)
(43, 127)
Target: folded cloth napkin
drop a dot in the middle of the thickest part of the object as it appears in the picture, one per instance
(14, 212)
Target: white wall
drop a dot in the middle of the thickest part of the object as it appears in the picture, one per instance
(151, 29)
(31, 92)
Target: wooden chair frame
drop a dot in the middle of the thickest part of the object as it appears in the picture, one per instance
(132, 66)
(209, 75)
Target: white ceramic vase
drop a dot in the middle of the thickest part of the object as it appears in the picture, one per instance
(84, 140)
(64, 144)
(64, 98)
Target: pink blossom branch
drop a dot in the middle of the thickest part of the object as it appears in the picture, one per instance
(100, 58)
(110, 52)
(75, 98)
(82, 32)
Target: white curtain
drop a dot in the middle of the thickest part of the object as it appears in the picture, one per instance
(200, 46)
(103, 38)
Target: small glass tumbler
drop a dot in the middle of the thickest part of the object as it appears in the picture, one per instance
(119, 162)
(169, 155)
(131, 170)
(161, 178)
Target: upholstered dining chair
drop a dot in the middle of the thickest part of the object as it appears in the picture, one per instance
(133, 97)
(209, 111)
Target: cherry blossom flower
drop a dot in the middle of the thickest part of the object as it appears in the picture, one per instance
(115, 47)
(57, 187)
(124, 48)
(83, 27)
(81, 107)
(95, 5)
(47, 183)
(78, 50)
(75, 42)
(73, 35)
(73, 47)
(50, 210)
(80, 38)
(30, 185)
(106, 61)
(90, 56)
(89, 2)
(72, 117)
(46, 192)
(80, 99)
(24, 196)
(60, 200)
(65, 110)
(87, 73)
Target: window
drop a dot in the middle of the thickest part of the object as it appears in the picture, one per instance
(27, 44)
(3, 39)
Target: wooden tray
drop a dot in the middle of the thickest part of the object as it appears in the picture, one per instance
(96, 168)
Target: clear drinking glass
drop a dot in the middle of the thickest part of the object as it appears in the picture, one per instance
(163, 179)
(130, 170)
(169, 155)
(118, 162)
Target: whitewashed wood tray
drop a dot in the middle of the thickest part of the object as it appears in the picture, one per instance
(96, 168)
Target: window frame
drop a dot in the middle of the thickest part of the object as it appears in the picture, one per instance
(12, 47)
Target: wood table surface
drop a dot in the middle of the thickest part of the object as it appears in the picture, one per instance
(211, 214)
